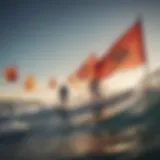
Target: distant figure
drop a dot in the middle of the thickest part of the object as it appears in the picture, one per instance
(63, 94)
(64, 147)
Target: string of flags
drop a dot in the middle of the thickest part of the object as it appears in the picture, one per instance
(126, 53)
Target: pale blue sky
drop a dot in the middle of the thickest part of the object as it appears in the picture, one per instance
(52, 38)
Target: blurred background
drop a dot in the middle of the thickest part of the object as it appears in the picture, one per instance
(79, 79)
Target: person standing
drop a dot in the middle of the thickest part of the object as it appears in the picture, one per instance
(65, 148)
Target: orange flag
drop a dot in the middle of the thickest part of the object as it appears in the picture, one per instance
(30, 83)
(87, 70)
(72, 80)
(126, 53)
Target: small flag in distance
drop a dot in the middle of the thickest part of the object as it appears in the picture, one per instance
(29, 83)
(52, 83)
(10, 73)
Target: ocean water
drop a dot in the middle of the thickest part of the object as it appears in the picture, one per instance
(43, 133)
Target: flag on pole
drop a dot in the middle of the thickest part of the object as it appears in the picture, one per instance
(86, 71)
(126, 53)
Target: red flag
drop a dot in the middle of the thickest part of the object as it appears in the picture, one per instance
(10, 73)
(126, 53)
(86, 71)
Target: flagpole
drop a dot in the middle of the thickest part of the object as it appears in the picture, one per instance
(146, 82)
(146, 64)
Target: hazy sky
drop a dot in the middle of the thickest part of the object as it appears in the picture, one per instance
(51, 38)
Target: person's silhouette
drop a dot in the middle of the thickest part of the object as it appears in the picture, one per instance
(66, 128)
(63, 94)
